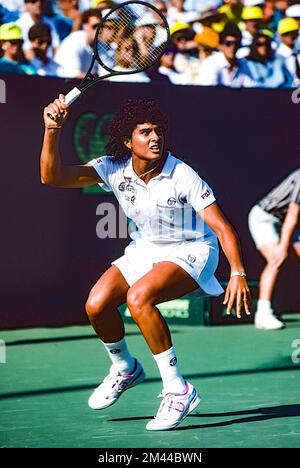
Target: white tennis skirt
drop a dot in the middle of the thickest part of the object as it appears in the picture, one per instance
(199, 259)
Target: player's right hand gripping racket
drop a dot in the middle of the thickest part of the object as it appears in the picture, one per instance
(129, 39)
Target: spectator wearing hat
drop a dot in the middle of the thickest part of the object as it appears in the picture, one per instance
(267, 69)
(68, 18)
(223, 68)
(74, 53)
(186, 59)
(252, 17)
(293, 11)
(207, 41)
(34, 14)
(40, 38)
(288, 29)
(232, 9)
(13, 60)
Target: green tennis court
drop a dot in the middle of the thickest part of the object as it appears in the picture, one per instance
(246, 377)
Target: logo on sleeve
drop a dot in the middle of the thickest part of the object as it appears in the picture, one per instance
(173, 361)
(205, 194)
(121, 186)
(115, 351)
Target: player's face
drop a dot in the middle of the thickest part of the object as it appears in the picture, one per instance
(147, 141)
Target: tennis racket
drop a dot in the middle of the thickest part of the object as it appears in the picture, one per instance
(129, 39)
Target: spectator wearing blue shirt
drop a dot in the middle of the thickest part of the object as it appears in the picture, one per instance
(267, 69)
(11, 42)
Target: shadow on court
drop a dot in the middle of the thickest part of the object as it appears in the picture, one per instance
(260, 414)
(77, 388)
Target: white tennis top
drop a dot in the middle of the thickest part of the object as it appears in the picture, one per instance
(165, 209)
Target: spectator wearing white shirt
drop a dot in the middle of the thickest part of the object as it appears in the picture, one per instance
(288, 29)
(40, 39)
(75, 52)
(33, 15)
(224, 68)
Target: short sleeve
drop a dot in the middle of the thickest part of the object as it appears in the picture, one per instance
(295, 196)
(196, 192)
(102, 167)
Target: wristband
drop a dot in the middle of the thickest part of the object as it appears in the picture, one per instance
(238, 273)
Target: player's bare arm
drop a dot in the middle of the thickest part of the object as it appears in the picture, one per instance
(53, 172)
(237, 292)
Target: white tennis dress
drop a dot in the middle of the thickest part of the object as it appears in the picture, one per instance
(164, 213)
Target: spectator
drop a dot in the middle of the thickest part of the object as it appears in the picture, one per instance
(168, 69)
(223, 68)
(294, 12)
(207, 41)
(126, 54)
(274, 226)
(74, 53)
(252, 17)
(267, 69)
(186, 60)
(11, 42)
(288, 29)
(232, 9)
(32, 15)
(68, 19)
(40, 38)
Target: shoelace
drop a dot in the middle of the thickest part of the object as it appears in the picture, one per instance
(169, 404)
(119, 382)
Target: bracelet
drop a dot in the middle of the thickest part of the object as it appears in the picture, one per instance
(238, 273)
(56, 127)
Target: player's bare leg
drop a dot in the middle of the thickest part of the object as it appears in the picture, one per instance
(264, 317)
(166, 281)
(107, 294)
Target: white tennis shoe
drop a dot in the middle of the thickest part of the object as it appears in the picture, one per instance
(267, 321)
(174, 408)
(114, 385)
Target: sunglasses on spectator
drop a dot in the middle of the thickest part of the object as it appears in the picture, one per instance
(43, 41)
(231, 42)
(16, 41)
(33, 1)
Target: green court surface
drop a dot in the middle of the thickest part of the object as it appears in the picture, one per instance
(249, 381)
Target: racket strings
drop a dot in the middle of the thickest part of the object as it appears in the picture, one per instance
(131, 38)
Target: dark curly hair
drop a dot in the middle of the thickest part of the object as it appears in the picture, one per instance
(131, 113)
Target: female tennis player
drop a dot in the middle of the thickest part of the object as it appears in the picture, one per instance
(174, 248)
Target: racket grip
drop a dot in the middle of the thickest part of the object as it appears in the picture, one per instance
(69, 98)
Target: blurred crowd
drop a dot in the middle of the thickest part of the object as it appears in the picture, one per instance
(248, 43)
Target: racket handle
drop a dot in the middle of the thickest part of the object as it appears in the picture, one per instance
(69, 98)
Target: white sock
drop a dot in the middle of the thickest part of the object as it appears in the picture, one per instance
(173, 382)
(264, 307)
(120, 356)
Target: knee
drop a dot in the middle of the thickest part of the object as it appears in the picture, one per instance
(137, 301)
(94, 306)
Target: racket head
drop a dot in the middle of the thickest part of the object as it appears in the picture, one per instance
(131, 38)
